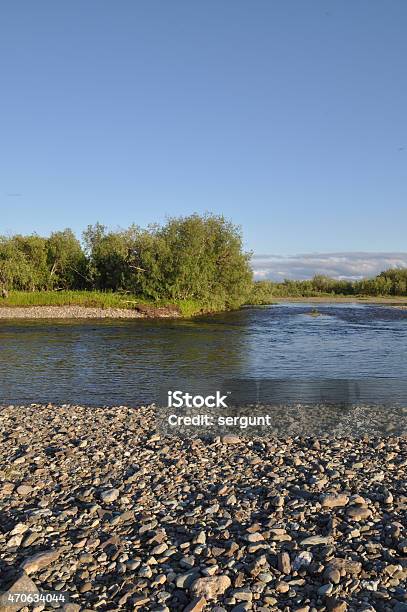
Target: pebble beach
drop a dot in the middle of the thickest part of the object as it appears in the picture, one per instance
(96, 504)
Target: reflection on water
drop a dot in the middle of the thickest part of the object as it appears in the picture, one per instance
(127, 362)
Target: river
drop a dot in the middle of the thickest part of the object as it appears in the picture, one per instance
(124, 362)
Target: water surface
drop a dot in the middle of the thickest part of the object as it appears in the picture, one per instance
(127, 362)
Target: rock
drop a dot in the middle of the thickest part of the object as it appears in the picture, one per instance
(358, 513)
(336, 605)
(302, 560)
(230, 439)
(211, 587)
(316, 540)
(19, 528)
(335, 500)
(158, 550)
(325, 589)
(265, 577)
(226, 513)
(24, 490)
(255, 537)
(184, 581)
(19, 460)
(196, 605)
(200, 538)
(242, 595)
(282, 587)
(345, 566)
(333, 575)
(110, 495)
(15, 541)
(284, 563)
(23, 584)
(39, 561)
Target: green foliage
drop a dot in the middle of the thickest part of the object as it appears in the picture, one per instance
(189, 258)
(388, 283)
(23, 262)
(196, 262)
(66, 261)
(194, 259)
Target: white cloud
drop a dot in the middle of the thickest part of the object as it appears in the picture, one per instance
(349, 266)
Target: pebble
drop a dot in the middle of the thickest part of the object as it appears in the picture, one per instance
(123, 517)
(109, 496)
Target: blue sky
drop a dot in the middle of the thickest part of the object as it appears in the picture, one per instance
(287, 116)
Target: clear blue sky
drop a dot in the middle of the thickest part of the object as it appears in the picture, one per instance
(289, 117)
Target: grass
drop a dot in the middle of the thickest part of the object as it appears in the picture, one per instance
(328, 297)
(94, 299)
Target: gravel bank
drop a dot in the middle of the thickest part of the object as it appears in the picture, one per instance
(66, 312)
(93, 502)
(85, 312)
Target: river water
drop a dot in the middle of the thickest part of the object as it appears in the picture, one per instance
(124, 362)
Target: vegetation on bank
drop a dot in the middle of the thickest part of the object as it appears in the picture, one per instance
(390, 283)
(196, 262)
(95, 299)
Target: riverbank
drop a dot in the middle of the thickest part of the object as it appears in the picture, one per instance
(97, 505)
(91, 304)
(84, 309)
(85, 312)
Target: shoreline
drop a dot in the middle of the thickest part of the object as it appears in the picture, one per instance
(98, 505)
(166, 312)
(400, 302)
(84, 312)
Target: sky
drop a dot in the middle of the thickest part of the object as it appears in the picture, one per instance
(288, 117)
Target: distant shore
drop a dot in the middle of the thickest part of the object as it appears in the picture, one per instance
(98, 505)
(399, 301)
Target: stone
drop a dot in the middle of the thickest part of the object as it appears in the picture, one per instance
(335, 500)
(158, 550)
(19, 528)
(15, 541)
(316, 540)
(334, 576)
(282, 587)
(255, 537)
(336, 605)
(210, 587)
(24, 490)
(302, 560)
(284, 563)
(196, 605)
(345, 566)
(184, 581)
(325, 589)
(358, 513)
(23, 584)
(109, 496)
(39, 561)
(230, 439)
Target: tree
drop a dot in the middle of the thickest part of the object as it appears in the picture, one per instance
(66, 261)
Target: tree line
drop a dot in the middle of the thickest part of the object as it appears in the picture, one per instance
(388, 283)
(195, 257)
(187, 258)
